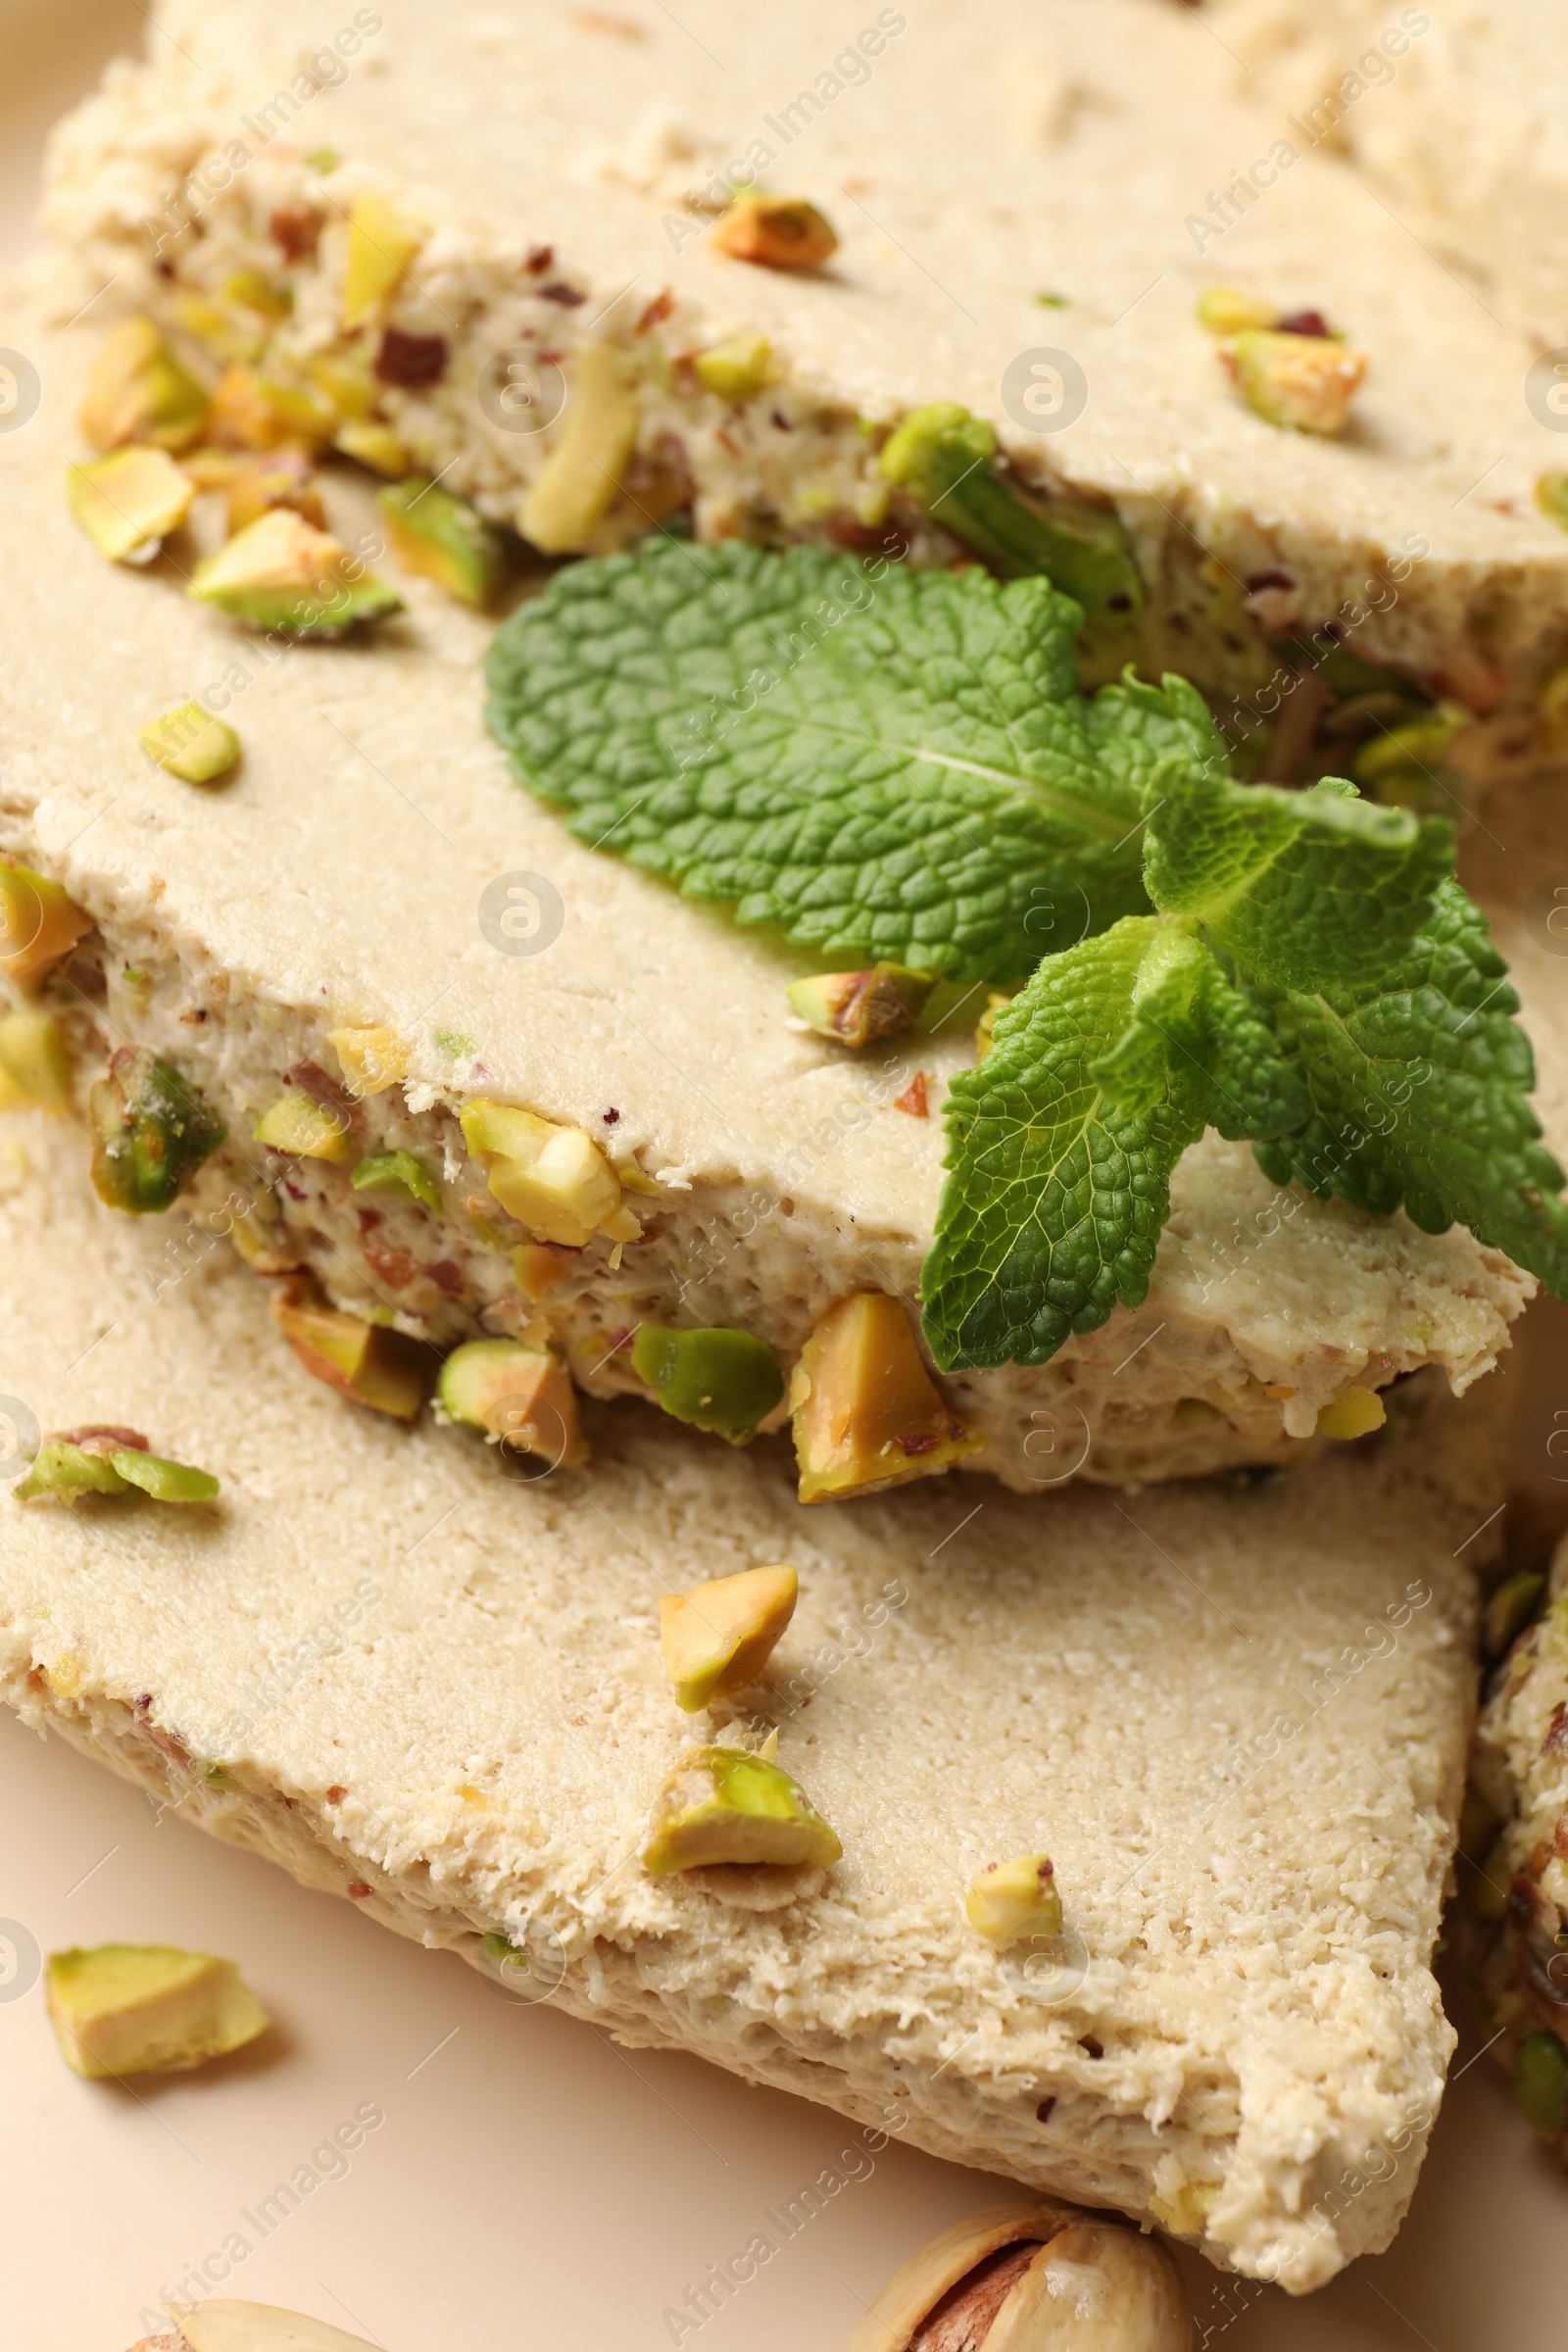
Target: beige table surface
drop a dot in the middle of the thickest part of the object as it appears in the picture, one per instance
(532, 2186)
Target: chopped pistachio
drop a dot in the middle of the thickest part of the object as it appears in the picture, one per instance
(138, 391)
(453, 1042)
(375, 445)
(1509, 1609)
(1354, 1414)
(1014, 1898)
(781, 232)
(280, 478)
(1554, 701)
(442, 538)
(372, 1059)
(397, 1172)
(147, 2008)
(222, 332)
(717, 1637)
(724, 1381)
(1541, 2084)
(38, 924)
(191, 744)
(66, 1471)
(736, 370)
(268, 296)
(553, 1179)
(164, 1480)
(866, 1410)
(256, 412)
(382, 243)
(944, 458)
(128, 501)
(367, 1362)
(1225, 312)
(323, 158)
(857, 1009)
(520, 1394)
(1303, 381)
(152, 1130)
(346, 376)
(580, 477)
(298, 1124)
(1551, 497)
(1418, 742)
(35, 1074)
(283, 573)
(725, 1804)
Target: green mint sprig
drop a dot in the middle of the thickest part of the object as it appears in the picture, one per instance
(901, 766)
(887, 765)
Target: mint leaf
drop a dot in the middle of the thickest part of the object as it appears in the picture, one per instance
(1418, 1082)
(886, 765)
(1062, 1142)
(1297, 888)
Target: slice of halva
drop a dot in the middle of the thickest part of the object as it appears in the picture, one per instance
(541, 296)
(327, 919)
(412, 1674)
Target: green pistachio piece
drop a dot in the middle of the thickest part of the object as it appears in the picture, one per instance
(943, 456)
(38, 924)
(726, 1804)
(736, 370)
(397, 1172)
(68, 1471)
(191, 744)
(517, 1394)
(280, 572)
(147, 2008)
(130, 500)
(1021, 1898)
(138, 391)
(442, 538)
(152, 1129)
(724, 1381)
(34, 1073)
(717, 1637)
(1306, 382)
(1541, 2084)
(296, 1123)
(382, 242)
(1420, 743)
(857, 1009)
(165, 1482)
(1510, 1608)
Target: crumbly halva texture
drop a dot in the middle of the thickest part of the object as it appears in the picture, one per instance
(349, 876)
(1460, 118)
(539, 309)
(1237, 1720)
